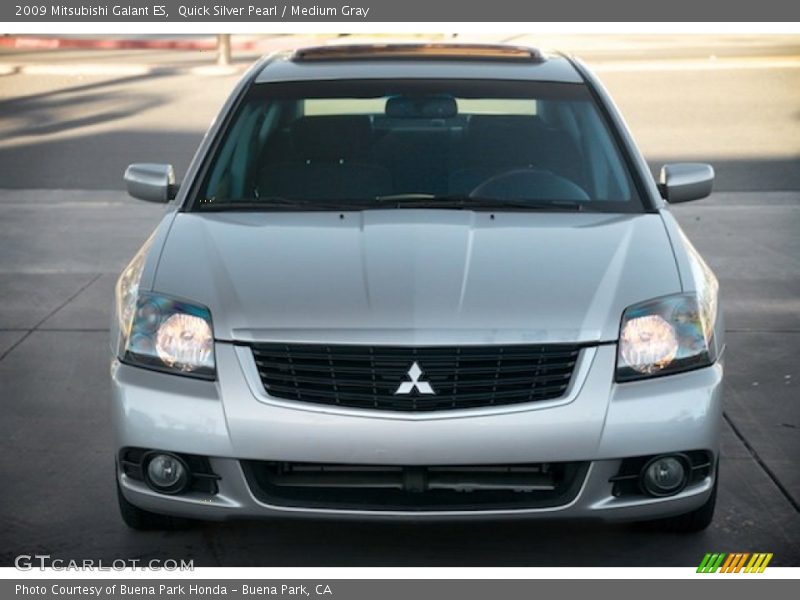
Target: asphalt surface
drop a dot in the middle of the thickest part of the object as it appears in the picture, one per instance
(66, 230)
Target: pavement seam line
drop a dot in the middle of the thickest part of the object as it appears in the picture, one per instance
(761, 463)
(48, 315)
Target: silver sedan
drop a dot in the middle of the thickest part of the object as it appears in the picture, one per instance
(418, 281)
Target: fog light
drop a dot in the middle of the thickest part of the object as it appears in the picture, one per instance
(664, 475)
(166, 473)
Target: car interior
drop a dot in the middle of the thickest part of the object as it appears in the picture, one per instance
(426, 145)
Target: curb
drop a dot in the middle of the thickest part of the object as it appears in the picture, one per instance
(48, 43)
(120, 70)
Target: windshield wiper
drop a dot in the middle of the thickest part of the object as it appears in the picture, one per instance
(473, 202)
(277, 203)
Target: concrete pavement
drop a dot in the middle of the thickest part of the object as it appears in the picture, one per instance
(66, 230)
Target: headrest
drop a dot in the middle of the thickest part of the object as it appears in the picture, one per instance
(331, 137)
(421, 107)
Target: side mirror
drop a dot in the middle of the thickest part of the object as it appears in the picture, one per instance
(681, 182)
(151, 182)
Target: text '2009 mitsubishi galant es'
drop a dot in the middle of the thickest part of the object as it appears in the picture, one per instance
(418, 281)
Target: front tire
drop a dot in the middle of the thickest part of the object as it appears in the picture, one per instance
(144, 520)
(691, 522)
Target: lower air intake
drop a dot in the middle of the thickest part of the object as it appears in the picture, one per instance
(415, 488)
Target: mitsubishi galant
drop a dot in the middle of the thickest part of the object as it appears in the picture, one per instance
(417, 281)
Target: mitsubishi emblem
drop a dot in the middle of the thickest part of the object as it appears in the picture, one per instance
(422, 387)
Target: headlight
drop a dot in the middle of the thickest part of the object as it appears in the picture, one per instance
(662, 336)
(666, 335)
(160, 332)
(127, 291)
(171, 335)
(671, 334)
(648, 343)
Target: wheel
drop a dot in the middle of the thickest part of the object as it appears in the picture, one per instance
(691, 522)
(143, 520)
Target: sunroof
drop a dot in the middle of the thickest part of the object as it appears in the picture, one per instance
(490, 52)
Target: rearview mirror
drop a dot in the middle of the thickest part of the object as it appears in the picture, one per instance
(151, 182)
(681, 182)
(421, 107)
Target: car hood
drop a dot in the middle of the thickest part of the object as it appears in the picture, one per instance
(417, 276)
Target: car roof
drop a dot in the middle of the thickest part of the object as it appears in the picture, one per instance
(417, 61)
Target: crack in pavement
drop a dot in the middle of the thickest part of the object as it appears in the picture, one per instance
(764, 467)
(48, 315)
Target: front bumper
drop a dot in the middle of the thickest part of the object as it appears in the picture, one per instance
(232, 419)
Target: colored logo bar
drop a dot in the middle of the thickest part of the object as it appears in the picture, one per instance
(735, 562)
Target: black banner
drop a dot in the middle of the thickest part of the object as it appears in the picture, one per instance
(267, 11)
(398, 589)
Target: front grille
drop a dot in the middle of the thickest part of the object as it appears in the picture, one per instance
(459, 377)
(415, 488)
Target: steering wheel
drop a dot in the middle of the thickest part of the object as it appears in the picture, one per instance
(530, 184)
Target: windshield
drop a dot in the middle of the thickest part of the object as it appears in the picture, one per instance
(475, 145)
